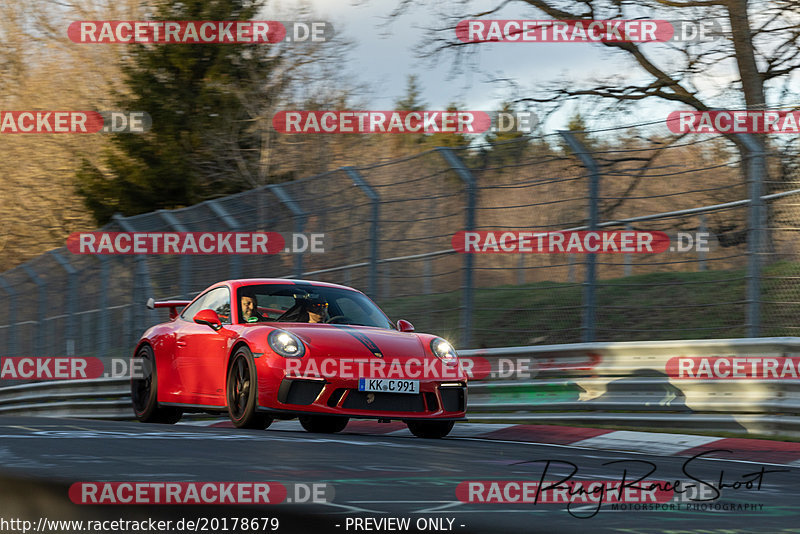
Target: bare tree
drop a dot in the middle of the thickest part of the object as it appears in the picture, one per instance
(760, 38)
(751, 62)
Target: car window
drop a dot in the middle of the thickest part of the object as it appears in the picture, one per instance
(217, 299)
(268, 306)
(193, 308)
(355, 313)
(278, 302)
(284, 302)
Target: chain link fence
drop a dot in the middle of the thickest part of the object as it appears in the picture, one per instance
(389, 228)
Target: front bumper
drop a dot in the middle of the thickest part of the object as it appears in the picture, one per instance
(441, 400)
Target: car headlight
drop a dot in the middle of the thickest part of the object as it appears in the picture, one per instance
(286, 344)
(444, 350)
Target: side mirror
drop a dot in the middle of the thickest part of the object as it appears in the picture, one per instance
(208, 318)
(404, 326)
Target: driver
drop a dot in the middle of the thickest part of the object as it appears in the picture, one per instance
(250, 313)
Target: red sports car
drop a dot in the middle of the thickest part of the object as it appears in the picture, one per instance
(265, 349)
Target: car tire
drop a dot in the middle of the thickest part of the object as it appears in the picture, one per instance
(430, 429)
(323, 424)
(241, 392)
(144, 393)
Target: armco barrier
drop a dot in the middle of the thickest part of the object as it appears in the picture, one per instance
(105, 398)
(624, 385)
(628, 385)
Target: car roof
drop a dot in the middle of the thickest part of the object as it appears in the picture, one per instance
(242, 282)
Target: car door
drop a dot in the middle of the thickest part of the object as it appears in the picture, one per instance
(202, 352)
(170, 379)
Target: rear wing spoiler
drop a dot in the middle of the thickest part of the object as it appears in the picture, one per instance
(173, 305)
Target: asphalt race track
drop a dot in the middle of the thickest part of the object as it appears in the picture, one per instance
(373, 477)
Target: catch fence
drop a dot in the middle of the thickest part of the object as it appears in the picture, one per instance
(389, 229)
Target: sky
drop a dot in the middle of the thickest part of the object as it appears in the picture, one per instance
(384, 57)
(385, 54)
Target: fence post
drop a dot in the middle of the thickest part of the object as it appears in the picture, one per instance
(127, 322)
(72, 297)
(11, 340)
(103, 331)
(589, 285)
(701, 252)
(756, 228)
(387, 280)
(469, 225)
(628, 258)
(233, 226)
(42, 334)
(375, 202)
(184, 269)
(299, 222)
(427, 276)
(141, 285)
(571, 268)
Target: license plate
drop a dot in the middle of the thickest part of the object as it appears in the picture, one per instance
(388, 385)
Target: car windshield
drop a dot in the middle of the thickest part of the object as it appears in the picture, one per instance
(308, 304)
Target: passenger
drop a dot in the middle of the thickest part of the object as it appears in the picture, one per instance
(307, 309)
(316, 312)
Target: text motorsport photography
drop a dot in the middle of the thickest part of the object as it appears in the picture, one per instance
(633, 490)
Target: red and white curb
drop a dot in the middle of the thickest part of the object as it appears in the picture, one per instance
(658, 443)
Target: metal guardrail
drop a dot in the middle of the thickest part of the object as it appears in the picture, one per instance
(623, 385)
(627, 385)
(104, 398)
